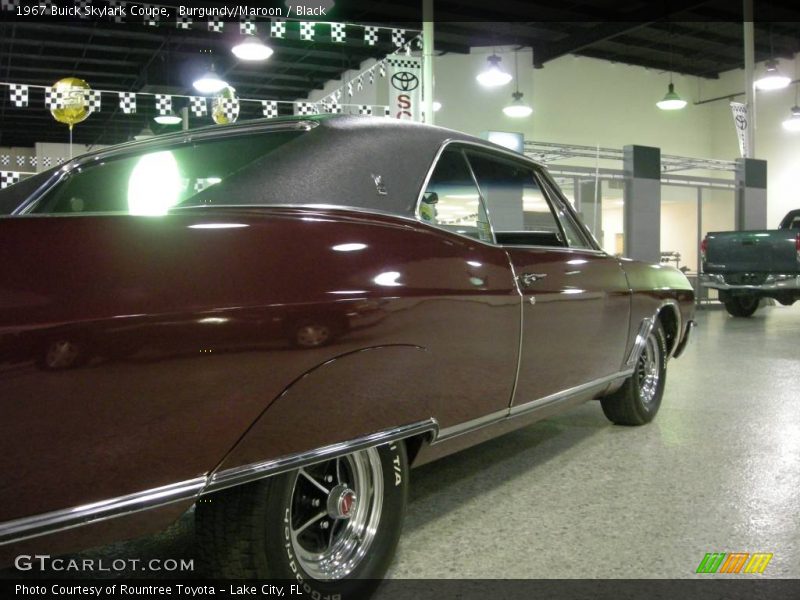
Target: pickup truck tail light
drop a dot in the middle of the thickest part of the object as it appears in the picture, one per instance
(797, 246)
(704, 247)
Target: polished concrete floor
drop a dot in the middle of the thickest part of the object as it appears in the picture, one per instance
(575, 497)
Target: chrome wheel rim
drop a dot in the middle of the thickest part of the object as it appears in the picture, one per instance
(335, 510)
(648, 370)
(61, 354)
(313, 335)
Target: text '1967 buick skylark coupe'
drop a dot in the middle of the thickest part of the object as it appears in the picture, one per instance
(284, 316)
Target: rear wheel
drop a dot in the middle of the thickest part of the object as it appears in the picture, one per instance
(332, 527)
(741, 306)
(639, 398)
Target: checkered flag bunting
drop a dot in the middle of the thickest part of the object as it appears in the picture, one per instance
(9, 5)
(8, 178)
(371, 76)
(93, 100)
(20, 161)
(199, 106)
(387, 112)
(350, 88)
(230, 108)
(370, 35)
(360, 83)
(53, 98)
(60, 160)
(215, 25)
(338, 33)
(83, 7)
(5, 160)
(247, 27)
(335, 108)
(163, 104)
(18, 94)
(269, 108)
(277, 29)
(307, 31)
(365, 109)
(32, 161)
(47, 162)
(127, 102)
(306, 108)
(382, 69)
(184, 23)
(402, 63)
(398, 37)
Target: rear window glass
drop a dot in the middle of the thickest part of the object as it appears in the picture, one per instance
(154, 182)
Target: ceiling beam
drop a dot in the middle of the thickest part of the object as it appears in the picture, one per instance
(608, 30)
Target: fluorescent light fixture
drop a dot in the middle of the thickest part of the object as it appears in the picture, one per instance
(671, 100)
(209, 83)
(772, 79)
(518, 109)
(494, 75)
(506, 139)
(349, 247)
(793, 123)
(218, 226)
(168, 119)
(251, 48)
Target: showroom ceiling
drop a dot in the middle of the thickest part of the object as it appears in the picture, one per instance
(686, 36)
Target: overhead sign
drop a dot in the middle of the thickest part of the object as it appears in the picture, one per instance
(405, 87)
(742, 123)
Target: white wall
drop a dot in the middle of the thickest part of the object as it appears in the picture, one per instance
(780, 148)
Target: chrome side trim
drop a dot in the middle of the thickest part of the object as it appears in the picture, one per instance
(247, 473)
(68, 518)
(59, 520)
(527, 408)
(645, 329)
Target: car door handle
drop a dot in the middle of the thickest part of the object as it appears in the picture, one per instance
(528, 279)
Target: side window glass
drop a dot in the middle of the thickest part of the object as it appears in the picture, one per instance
(517, 206)
(575, 237)
(451, 199)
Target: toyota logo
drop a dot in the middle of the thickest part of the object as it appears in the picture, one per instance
(405, 81)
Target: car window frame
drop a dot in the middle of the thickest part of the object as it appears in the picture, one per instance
(541, 174)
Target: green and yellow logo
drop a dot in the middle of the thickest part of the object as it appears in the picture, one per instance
(734, 562)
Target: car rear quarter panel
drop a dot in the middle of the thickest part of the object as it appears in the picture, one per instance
(207, 316)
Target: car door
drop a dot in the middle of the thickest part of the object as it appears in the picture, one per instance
(576, 301)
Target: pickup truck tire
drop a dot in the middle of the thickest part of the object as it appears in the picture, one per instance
(331, 527)
(741, 306)
(639, 398)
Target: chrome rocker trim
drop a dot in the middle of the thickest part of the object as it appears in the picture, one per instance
(527, 408)
(61, 520)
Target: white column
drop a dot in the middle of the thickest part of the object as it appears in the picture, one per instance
(427, 59)
(749, 65)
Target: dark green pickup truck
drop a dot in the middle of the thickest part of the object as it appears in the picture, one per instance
(745, 266)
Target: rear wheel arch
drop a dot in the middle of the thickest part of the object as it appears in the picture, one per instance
(669, 318)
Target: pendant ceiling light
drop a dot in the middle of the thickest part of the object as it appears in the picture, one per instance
(494, 75)
(518, 109)
(793, 122)
(168, 119)
(209, 83)
(772, 79)
(251, 48)
(671, 100)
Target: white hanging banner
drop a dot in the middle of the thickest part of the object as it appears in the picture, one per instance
(742, 123)
(405, 87)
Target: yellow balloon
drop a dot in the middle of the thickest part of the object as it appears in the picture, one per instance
(74, 101)
(219, 113)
